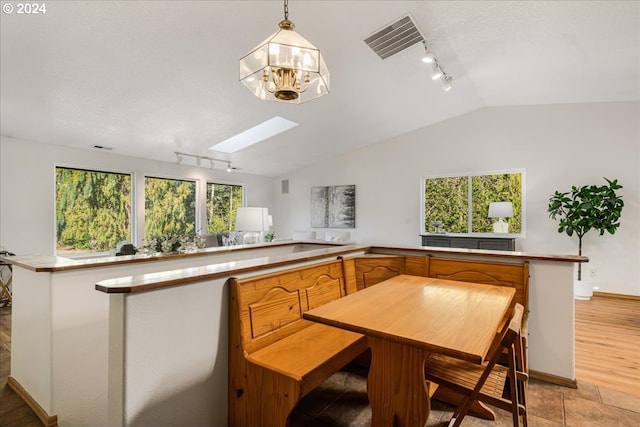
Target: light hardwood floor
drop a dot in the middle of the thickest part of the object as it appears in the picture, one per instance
(608, 343)
(607, 358)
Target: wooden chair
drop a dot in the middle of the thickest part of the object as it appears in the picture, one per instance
(5, 284)
(488, 382)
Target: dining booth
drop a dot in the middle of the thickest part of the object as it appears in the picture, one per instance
(140, 340)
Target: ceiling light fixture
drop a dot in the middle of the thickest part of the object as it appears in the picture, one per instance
(437, 72)
(428, 57)
(285, 67)
(198, 160)
(446, 83)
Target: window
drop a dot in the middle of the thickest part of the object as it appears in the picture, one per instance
(169, 207)
(222, 204)
(460, 204)
(93, 210)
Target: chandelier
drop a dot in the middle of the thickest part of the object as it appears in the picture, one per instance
(285, 67)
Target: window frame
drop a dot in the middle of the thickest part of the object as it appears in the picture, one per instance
(469, 175)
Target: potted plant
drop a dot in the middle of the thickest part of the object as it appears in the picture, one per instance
(586, 208)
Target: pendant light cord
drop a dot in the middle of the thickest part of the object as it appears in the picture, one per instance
(286, 9)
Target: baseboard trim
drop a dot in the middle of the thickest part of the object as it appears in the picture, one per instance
(553, 379)
(616, 296)
(46, 419)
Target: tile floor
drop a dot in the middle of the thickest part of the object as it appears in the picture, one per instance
(342, 402)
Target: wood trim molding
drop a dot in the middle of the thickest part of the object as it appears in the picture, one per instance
(616, 296)
(553, 379)
(46, 419)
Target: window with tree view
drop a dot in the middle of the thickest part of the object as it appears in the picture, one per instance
(169, 207)
(222, 204)
(460, 204)
(93, 210)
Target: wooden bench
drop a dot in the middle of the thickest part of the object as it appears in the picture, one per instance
(276, 357)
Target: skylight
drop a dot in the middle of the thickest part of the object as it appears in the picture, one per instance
(254, 135)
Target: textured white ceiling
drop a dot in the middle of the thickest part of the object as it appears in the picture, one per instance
(152, 77)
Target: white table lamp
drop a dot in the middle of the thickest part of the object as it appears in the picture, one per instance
(252, 221)
(500, 210)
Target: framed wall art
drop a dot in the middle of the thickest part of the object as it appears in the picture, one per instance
(333, 206)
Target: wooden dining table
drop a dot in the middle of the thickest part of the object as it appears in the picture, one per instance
(408, 318)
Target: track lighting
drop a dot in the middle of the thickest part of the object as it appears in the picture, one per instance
(198, 160)
(437, 72)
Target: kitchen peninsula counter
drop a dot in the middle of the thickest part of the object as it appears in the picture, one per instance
(84, 328)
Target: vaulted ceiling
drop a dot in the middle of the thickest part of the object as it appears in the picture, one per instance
(148, 78)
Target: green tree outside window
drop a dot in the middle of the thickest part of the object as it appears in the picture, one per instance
(93, 210)
(223, 201)
(169, 207)
(461, 203)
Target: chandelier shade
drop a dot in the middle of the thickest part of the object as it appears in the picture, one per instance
(285, 67)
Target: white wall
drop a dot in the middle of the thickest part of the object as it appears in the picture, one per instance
(27, 188)
(558, 146)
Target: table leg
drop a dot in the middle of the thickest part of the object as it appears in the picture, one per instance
(397, 390)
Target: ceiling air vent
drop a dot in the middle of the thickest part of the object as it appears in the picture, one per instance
(395, 37)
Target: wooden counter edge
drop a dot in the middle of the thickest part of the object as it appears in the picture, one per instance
(52, 263)
(145, 282)
(478, 252)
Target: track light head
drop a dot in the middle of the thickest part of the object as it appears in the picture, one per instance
(437, 72)
(428, 57)
(446, 83)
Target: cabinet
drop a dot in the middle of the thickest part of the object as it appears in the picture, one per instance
(469, 242)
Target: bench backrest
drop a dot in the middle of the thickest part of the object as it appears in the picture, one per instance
(489, 273)
(371, 269)
(269, 307)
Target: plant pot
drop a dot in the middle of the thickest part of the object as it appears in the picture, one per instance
(582, 289)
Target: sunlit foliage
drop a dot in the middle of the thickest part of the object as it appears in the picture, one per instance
(222, 204)
(453, 200)
(93, 210)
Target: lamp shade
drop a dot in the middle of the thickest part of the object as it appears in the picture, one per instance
(252, 219)
(500, 210)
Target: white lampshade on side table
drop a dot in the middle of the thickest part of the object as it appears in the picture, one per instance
(500, 210)
(252, 221)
